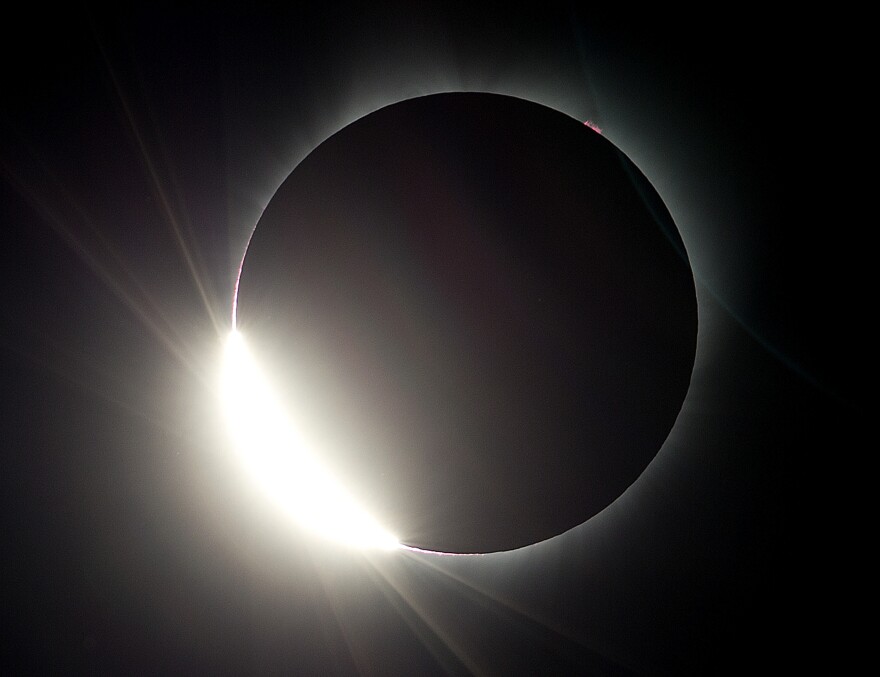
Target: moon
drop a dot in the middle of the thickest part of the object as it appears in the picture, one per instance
(478, 314)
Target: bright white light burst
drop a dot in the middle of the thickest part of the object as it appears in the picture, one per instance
(276, 458)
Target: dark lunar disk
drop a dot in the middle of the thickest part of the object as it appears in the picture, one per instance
(479, 312)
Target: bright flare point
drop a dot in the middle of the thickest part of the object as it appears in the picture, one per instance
(278, 461)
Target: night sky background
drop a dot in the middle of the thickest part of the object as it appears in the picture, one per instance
(138, 148)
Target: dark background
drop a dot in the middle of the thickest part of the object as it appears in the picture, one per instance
(137, 150)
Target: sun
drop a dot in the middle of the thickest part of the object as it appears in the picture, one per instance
(278, 461)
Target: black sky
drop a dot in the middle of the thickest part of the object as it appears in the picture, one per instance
(138, 149)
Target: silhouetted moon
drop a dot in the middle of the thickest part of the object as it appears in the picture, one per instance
(479, 312)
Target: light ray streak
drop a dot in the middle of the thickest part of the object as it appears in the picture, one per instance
(93, 262)
(482, 595)
(167, 209)
(430, 632)
(350, 634)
